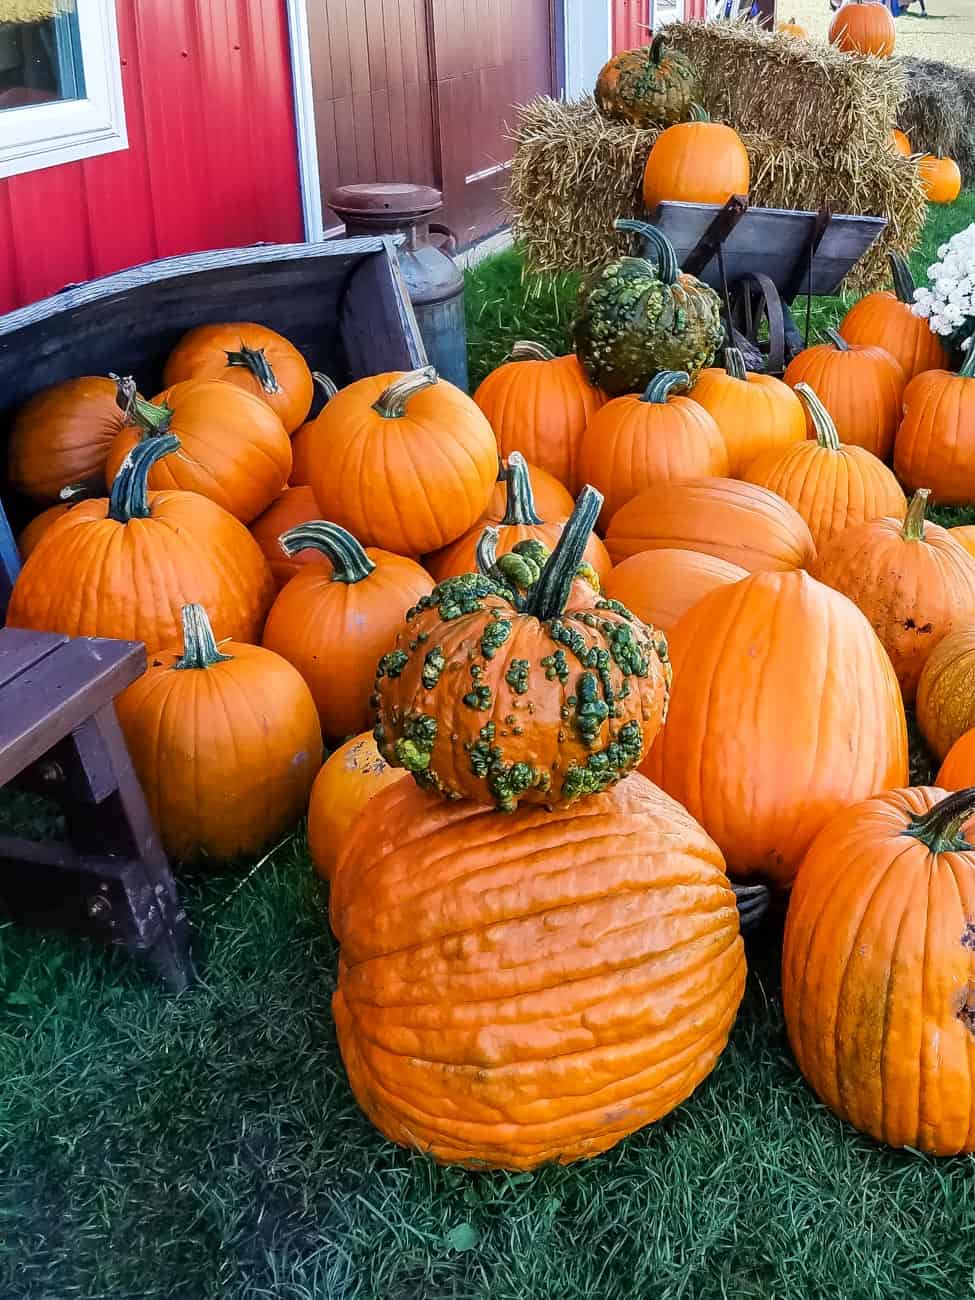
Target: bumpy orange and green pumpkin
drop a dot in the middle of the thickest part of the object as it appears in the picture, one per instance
(650, 86)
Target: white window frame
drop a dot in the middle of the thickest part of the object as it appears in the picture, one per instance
(588, 31)
(45, 135)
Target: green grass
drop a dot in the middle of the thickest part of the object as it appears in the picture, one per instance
(154, 1148)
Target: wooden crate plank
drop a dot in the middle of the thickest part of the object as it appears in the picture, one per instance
(9, 561)
(21, 648)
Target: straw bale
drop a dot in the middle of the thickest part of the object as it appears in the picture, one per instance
(938, 111)
(33, 11)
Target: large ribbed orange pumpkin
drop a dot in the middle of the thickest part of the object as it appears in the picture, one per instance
(885, 320)
(935, 446)
(62, 435)
(347, 782)
(755, 413)
(958, 770)
(946, 691)
(661, 586)
(738, 522)
(878, 969)
(530, 988)
(293, 506)
(766, 739)
(861, 386)
(832, 486)
(698, 161)
(539, 404)
(864, 27)
(659, 436)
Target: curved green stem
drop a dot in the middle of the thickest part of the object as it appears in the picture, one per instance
(656, 246)
(529, 350)
(699, 114)
(940, 828)
(657, 50)
(326, 386)
(547, 598)
(391, 404)
(129, 498)
(967, 370)
(837, 340)
(734, 364)
(259, 366)
(822, 422)
(661, 386)
(520, 504)
(904, 285)
(148, 418)
(913, 530)
(486, 554)
(350, 563)
(199, 644)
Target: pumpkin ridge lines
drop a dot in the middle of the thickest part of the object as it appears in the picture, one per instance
(906, 913)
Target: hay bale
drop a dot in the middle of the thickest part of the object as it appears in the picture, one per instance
(938, 111)
(574, 172)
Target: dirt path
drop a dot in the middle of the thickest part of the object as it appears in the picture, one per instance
(948, 33)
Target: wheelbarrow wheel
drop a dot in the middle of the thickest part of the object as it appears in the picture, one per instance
(759, 315)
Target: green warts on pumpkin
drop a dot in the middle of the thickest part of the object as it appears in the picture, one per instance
(129, 496)
(199, 644)
(606, 768)
(415, 745)
(940, 829)
(254, 360)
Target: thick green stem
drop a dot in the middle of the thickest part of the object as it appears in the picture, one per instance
(259, 366)
(913, 530)
(520, 505)
(326, 386)
(661, 386)
(822, 422)
(486, 554)
(199, 644)
(904, 285)
(391, 404)
(734, 364)
(656, 247)
(150, 419)
(940, 828)
(547, 599)
(699, 114)
(837, 340)
(350, 563)
(129, 498)
(657, 50)
(528, 350)
(967, 370)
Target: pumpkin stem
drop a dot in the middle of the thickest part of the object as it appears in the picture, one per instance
(837, 340)
(904, 285)
(199, 644)
(822, 422)
(129, 498)
(520, 506)
(326, 386)
(547, 598)
(656, 246)
(148, 418)
(486, 554)
(940, 828)
(350, 563)
(967, 370)
(259, 366)
(391, 404)
(528, 350)
(661, 386)
(657, 50)
(734, 364)
(913, 530)
(699, 113)
(752, 903)
(74, 492)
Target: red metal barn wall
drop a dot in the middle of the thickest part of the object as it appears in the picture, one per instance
(631, 19)
(212, 158)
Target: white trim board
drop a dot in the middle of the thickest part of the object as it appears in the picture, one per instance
(588, 43)
(301, 80)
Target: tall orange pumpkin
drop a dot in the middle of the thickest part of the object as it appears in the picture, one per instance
(293, 506)
(884, 319)
(831, 486)
(861, 385)
(225, 740)
(699, 161)
(878, 969)
(540, 1044)
(765, 741)
(303, 438)
(62, 435)
(661, 586)
(864, 27)
(935, 445)
(946, 691)
(659, 436)
(539, 404)
(755, 413)
(348, 781)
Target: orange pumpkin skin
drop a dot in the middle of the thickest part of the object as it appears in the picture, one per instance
(885, 320)
(540, 404)
(864, 27)
(964, 535)
(941, 179)
(29, 536)
(738, 522)
(755, 413)
(696, 162)
(935, 446)
(946, 691)
(958, 770)
(833, 487)
(303, 438)
(345, 785)
(911, 579)
(293, 506)
(447, 1048)
(792, 28)
(878, 969)
(62, 435)
(901, 143)
(861, 386)
(93, 574)
(762, 743)
(661, 586)
(226, 744)
(333, 622)
(553, 500)
(405, 462)
(252, 358)
(634, 442)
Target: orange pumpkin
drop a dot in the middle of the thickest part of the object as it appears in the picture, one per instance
(696, 162)
(661, 586)
(946, 692)
(738, 522)
(521, 523)
(964, 535)
(334, 623)
(764, 741)
(864, 27)
(913, 581)
(62, 435)
(302, 438)
(345, 785)
(539, 404)
(901, 143)
(126, 566)
(623, 915)
(406, 462)
(940, 177)
(861, 386)
(293, 506)
(792, 28)
(935, 445)
(251, 357)
(878, 969)
(755, 413)
(233, 447)
(30, 535)
(636, 441)
(553, 500)
(958, 769)
(831, 486)
(884, 319)
(225, 741)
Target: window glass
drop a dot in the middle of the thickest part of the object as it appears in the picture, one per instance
(40, 53)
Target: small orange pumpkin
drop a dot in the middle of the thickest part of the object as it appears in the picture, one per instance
(30, 535)
(699, 161)
(63, 435)
(958, 770)
(347, 782)
(792, 28)
(755, 413)
(293, 506)
(864, 27)
(935, 444)
(884, 319)
(941, 178)
(302, 438)
(946, 692)
(901, 143)
(661, 586)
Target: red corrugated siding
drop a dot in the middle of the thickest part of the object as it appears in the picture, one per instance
(631, 20)
(212, 157)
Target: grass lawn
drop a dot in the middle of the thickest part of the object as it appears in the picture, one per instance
(208, 1146)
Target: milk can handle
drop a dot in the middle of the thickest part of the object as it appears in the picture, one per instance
(449, 245)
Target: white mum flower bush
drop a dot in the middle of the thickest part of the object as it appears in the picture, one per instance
(948, 301)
